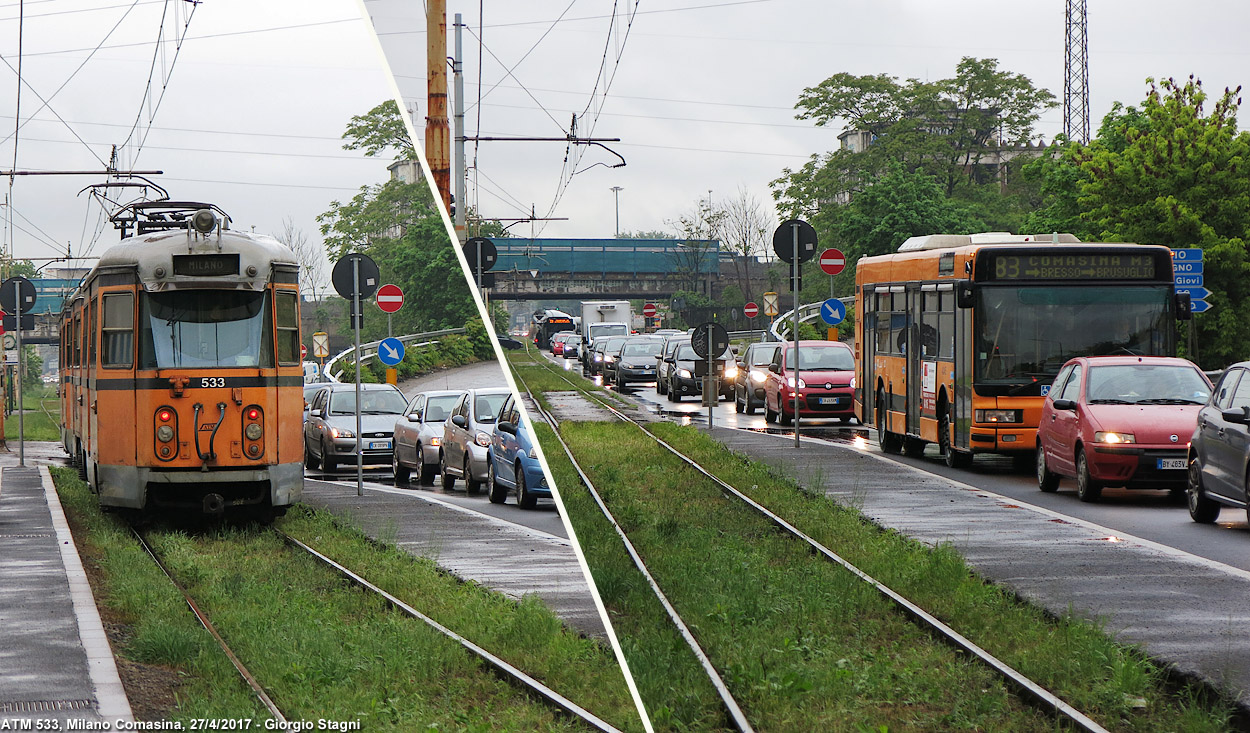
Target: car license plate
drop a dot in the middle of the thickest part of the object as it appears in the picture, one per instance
(830, 400)
(379, 444)
(1168, 464)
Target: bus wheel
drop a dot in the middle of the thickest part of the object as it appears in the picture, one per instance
(888, 441)
(953, 457)
(913, 447)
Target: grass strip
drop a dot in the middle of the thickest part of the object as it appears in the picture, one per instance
(322, 648)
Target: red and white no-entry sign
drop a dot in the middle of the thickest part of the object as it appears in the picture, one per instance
(648, 310)
(832, 261)
(303, 351)
(750, 310)
(390, 298)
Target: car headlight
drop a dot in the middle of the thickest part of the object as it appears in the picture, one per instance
(1013, 416)
(790, 383)
(852, 384)
(731, 372)
(758, 375)
(609, 358)
(598, 357)
(1114, 437)
(684, 373)
(341, 433)
(482, 439)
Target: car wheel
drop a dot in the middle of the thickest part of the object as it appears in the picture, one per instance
(661, 387)
(310, 461)
(889, 442)
(523, 495)
(769, 415)
(1046, 481)
(328, 464)
(449, 481)
(428, 471)
(674, 395)
(739, 405)
(782, 417)
(1201, 509)
(498, 493)
(1087, 489)
(402, 472)
(749, 404)
(471, 485)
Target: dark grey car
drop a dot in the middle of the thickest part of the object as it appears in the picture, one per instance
(330, 430)
(1219, 451)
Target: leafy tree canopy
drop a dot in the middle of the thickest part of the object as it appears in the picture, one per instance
(379, 130)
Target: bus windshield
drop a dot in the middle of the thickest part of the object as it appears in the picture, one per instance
(205, 328)
(1027, 332)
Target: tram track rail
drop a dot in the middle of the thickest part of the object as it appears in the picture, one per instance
(504, 670)
(1026, 689)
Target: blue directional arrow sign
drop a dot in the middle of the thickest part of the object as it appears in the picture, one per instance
(1187, 255)
(1189, 281)
(391, 351)
(832, 311)
(1199, 306)
(1187, 268)
(1194, 293)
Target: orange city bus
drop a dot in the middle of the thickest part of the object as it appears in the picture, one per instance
(960, 336)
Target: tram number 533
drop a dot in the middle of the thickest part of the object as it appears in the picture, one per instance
(213, 382)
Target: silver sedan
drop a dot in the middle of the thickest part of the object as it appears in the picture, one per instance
(419, 434)
(467, 437)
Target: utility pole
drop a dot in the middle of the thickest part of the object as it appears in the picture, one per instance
(437, 132)
(457, 69)
(616, 190)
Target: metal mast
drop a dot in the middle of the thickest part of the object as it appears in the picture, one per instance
(1076, 74)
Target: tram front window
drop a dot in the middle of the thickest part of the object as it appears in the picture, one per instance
(1026, 333)
(205, 328)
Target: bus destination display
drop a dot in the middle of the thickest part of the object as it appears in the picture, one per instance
(1072, 267)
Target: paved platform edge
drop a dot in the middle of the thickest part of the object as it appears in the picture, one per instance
(111, 700)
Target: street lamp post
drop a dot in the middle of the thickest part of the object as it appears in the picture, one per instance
(616, 191)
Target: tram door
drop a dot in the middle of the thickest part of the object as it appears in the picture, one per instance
(915, 351)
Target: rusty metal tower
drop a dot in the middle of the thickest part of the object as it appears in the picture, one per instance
(1076, 74)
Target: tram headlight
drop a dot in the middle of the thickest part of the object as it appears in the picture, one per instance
(253, 431)
(165, 433)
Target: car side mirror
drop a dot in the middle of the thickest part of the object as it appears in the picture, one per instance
(669, 360)
(414, 417)
(774, 368)
(315, 413)
(459, 421)
(507, 427)
(742, 364)
(1062, 404)
(1239, 415)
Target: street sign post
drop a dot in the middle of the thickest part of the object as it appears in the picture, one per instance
(480, 254)
(750, 310)
(709, 340)
(390, 298)
(17, 296)
(303, 352)
(355, 277)
(802, 241)
(832, 311)
(321, 344)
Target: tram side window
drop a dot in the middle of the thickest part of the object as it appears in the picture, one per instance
(91, 325)
(77, 340)
(288, 328)
(118, 343)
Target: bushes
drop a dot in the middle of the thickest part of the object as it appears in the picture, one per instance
(450, 351)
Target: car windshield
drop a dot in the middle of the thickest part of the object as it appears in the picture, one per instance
(438, 408)
(486, 406)
(821, 357)
(372, 402)
(1146, 384)
(761, 357)
(647, 348)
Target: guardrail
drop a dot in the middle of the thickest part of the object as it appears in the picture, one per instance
(780, 330)
(370, 350)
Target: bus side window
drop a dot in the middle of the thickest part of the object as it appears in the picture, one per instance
(946, 324)
(288, 327)
(929, 325)
(883, 323)
(118, 343)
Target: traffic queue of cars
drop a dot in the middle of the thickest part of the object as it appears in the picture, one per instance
(474, 435)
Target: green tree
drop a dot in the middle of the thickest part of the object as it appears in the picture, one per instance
(379, 130)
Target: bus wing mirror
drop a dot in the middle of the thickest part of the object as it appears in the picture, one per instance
(963, 294)
(1184, 308)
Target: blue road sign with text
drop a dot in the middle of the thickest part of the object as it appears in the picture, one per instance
(1189, 281)
(832, 311)
(1194, 293)
(391, 351)
(1187, 268)
(1187, 255)
(1199, 306)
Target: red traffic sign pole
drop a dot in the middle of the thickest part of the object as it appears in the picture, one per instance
(832, 261)
(750, 310)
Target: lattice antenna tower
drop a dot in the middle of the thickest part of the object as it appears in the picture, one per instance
(1076, 74)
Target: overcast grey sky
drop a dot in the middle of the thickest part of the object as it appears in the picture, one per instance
(251, 119)
(704, 93)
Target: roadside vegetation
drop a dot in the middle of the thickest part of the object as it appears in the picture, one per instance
(42, 420)
(322, 648)
(801, 643)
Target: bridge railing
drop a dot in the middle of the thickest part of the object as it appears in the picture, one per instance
(780, 330)
(334, 367)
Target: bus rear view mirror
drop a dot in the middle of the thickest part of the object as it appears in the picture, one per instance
(963, 294)
(1184, 308)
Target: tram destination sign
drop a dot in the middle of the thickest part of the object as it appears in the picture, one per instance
(214, 265)
(1106, 266)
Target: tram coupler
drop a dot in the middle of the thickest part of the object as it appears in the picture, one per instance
(214, 504)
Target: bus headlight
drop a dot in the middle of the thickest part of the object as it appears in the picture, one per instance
(1113, 437)
(1012, 416)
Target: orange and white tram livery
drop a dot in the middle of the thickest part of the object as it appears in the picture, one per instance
(181, 372)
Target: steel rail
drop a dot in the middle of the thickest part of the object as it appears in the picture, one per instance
(509, 672)
(208, 626)
(1024, 686)
(736, 715)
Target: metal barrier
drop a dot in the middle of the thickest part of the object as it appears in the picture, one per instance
(370, 350)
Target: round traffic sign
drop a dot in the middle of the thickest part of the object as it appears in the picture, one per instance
(343, 278)
(832, 311)
(303, 351)
(784, 240)
(15, 290)
(709, 340)
(648, 310)
(391, 351)
(832, 261)
(390, 298)
(750, 310)
(480, 250)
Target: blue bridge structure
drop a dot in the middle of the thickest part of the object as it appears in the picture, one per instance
(537, 269)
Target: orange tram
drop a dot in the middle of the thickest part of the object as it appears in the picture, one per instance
(960, 336)
(180, 368)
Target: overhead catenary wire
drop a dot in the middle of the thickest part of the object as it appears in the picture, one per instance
(147, 93)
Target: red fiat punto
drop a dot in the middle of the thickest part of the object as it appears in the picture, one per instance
(1119, 421)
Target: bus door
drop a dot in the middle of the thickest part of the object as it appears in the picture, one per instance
(914, 352)
(868, 353)
(962, 405)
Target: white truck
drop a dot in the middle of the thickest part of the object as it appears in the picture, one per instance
(600, 318)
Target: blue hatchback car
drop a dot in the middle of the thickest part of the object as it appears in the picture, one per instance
(512, 464)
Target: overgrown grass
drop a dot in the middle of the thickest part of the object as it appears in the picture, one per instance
(42, 419)
(325, 650)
